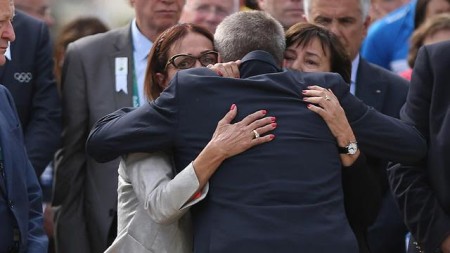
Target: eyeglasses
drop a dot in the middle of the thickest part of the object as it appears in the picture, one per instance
(187, 61)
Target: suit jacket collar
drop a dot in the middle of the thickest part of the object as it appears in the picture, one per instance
(123, 40)
(370, 87)
(123, 45)
(261, 63)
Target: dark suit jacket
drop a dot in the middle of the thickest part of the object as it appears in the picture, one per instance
(284, 196)
(381, 89)
(423, 189)
(386, 92)
(20, 192)
(29, 78)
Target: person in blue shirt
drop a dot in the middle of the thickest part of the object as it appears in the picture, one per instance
(387, 39)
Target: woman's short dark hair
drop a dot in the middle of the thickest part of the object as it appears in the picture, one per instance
(159, 54)
(301, 34)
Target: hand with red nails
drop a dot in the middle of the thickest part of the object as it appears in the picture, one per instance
(323, 102)
(230, 139)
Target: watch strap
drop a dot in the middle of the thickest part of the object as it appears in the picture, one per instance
(343, 150)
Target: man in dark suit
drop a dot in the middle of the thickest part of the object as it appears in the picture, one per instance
(422, 189)
(383, 90)
(28, 75)
(21, 228)
(20, 194)
(283, 197)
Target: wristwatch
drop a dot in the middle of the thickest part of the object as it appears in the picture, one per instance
(350, 149)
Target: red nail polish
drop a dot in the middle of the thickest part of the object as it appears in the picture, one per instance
(232, 107)
(274, 125)
(271, 136)
(304, 92)
(308, 105)
(273, 119)
(264, 112)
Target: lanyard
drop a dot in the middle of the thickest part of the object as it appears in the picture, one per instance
(135, 97)
(135, 88)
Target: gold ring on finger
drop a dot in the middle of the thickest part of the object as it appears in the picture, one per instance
(255, 134)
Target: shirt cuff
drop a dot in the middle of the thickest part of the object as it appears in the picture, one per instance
(189, 175)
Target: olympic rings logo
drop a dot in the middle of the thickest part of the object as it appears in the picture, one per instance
(24, 77)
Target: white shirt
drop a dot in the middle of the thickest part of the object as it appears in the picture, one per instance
(141, 49)
(355, 64)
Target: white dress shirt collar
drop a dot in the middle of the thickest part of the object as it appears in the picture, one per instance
(141, 44)
(141, 49)
(355, 64)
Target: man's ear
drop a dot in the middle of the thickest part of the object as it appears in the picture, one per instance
(366, 25)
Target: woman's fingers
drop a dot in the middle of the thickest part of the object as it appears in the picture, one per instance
(231, 114)
(236, 138)
(227, 69)
(252, 117)
(319, 96)
(316, 88)
(230, 69)
(263, 125)
(235, 68)
(319, 110)
(262, 139)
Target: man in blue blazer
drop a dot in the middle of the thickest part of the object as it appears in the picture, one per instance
(28, 75)
(422, 189)
(21, 228)
(282, 197)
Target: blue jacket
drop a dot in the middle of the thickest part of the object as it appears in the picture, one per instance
(20, 194)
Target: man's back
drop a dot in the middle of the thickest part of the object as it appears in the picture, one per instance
(267, 192)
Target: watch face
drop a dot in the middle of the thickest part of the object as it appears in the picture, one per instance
(352, 148)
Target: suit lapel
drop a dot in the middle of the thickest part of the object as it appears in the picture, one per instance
(7, 162)
(370, 88)
(123, 47)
